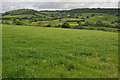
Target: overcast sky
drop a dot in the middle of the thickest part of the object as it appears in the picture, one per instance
(60, 0)
(8, 5)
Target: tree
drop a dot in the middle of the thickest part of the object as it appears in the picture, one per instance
(99, 23)
(87, 16)
(49, 25)
(39, 23)
(92, 15)
(77, 17)
(65, 25)
(87, 23)
(117, 25)
(17, 22)
(80, 24)
(60, 19)
(58, 25)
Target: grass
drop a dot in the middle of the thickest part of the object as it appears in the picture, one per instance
(102, 17)
(101, 27)
(0, 51)
(37, 52)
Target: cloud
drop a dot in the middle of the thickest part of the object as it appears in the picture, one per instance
(60, 0)
(6, 6)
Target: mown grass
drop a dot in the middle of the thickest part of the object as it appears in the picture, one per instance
(37, 52)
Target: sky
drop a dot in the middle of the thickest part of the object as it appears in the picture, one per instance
(8, 5)
(60, 0)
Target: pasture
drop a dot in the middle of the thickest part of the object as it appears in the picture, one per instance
(37, 52)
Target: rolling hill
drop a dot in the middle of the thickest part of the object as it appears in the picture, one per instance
(55, 44)
(77, 18)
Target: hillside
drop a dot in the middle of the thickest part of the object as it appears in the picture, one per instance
(37, 52)
(21, 12)
(96, 10)
(100, 19)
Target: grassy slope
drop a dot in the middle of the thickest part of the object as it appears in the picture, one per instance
(0, 51)
(54, 52)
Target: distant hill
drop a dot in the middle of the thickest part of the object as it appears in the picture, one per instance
(78, 10)
(53, 15)
(95, 17)
(95, 10)
(21, 12)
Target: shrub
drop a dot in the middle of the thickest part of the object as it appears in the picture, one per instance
(17, 22)
(77, 17)
(39, 23)
(80, 24)
(58, 25)
(65, 25)
(92, 15)
(87, 23)
(49, 25)
(99, 23)
(117, 26)
(87, 16)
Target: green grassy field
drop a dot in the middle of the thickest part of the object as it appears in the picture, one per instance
(37, 52)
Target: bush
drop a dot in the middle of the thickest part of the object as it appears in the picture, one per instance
(17, 22)
(58, 25)
(87, 16)
(87, 23)
(49, 25)
(92, 15)
(117, 26)
(65, 25)
(99, 23)
(79, 23)
(39, 23)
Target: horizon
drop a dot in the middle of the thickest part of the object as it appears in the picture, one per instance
(59, 9)
(52, 6)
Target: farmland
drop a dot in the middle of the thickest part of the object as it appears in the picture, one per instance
(76, 43)
(42, 52)
(90, 19)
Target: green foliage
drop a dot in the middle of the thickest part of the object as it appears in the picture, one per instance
(39, 23)
(58, 26)
(79, 23)
(99, 23)
(65, 25)
(17, 22)
(49, 25)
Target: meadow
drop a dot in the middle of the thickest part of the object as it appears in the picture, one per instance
(41, 52)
